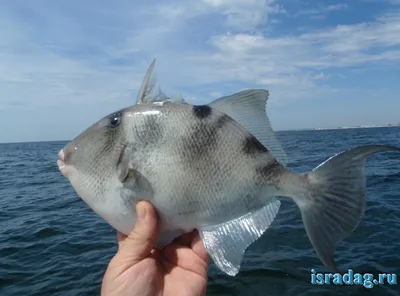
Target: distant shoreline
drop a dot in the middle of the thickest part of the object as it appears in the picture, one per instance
(280, 130)
(340, 127)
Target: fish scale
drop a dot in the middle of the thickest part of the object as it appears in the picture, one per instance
(201, 172)
(218, 168)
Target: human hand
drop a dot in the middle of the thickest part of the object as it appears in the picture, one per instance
(139, 269)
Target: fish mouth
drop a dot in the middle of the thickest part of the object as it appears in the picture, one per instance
(62, 166)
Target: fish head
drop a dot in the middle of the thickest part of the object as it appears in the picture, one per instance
(91, 161)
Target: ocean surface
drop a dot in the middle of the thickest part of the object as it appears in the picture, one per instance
(51, 243)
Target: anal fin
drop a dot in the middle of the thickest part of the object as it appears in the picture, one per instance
(227, 242)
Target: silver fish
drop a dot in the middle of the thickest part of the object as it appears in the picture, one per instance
(217, 168)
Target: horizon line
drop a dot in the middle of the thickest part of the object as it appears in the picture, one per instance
(277, 131)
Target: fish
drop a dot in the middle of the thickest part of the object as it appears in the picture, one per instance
(217, 168)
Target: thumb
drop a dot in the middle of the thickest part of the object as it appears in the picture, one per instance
(139, 243)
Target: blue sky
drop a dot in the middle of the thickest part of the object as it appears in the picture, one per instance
(65, 64)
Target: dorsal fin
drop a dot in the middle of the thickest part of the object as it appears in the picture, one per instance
(150, 92)
(147, 85)
(248, 108)
(178, 98)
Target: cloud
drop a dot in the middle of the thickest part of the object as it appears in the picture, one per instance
(216, 94)
(382, 34)
(49, 62)
(394, 2)
(80, 56)
(245, 14)
(294, 61)
(322, 9)
(76, 63)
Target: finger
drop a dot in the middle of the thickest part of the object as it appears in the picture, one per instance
(120, 238)
(193, 241)
(185, 239)
(198, 247)
(139, 243)
(184, 257)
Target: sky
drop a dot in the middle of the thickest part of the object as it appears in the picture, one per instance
(66, 64)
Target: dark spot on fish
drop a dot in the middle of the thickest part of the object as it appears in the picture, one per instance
(222, 121)
(190, 203)
(271, 169)
(108, 141)
(202, 111)
(186, 213)
(272, 172)
(252, 202)
(204, 139)
(201, 145)
(150, 132)
(216, 126)
(251, 145)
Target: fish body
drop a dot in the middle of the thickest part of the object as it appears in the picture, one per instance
(196, 165)
(218, 168)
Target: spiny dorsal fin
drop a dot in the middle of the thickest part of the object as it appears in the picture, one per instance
(150, 92)
(248, 108)
(147, 84)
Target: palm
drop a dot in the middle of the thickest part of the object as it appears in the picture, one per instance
(178, 269)
(184, 269)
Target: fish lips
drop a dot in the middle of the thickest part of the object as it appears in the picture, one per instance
(63, 167)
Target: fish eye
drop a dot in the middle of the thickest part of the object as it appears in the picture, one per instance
(115, 120)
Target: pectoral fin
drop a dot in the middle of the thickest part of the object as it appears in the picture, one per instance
(124, 163)
(131, 178)
(227, 242)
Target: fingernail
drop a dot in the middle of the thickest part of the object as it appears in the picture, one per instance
(141, 212)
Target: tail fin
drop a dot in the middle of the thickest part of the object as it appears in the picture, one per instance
(334, 201)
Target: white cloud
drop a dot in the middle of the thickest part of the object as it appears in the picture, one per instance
(394, 2)
(36, 71)
(321, 76)
(381, 34)
(286, 64)
(322, 9)
(336, 7)
(245, 14)
(342, 46)
(216, 94)
(164, 31)
(96, 56)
